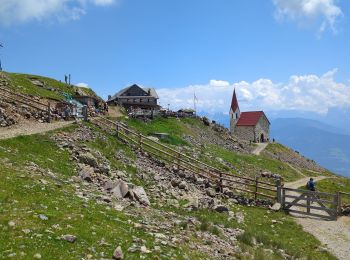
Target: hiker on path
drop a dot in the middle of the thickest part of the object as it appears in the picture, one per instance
(311, 185)
(67, 112)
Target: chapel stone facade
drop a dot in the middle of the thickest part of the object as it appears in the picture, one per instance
(251, 126)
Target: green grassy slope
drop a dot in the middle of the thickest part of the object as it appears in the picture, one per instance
(335, 184)
(26, 193)
(248, 164)
(52, 88)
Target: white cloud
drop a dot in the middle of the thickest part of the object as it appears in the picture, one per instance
(303, 93)
(19, 11)
(82, 85)
(324, 13)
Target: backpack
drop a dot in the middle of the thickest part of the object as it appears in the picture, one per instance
(308, 185)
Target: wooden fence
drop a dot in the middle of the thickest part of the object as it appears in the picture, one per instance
(311, 203)
(254, 186)
(11, 95)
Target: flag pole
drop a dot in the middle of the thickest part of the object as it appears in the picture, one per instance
(194, 102)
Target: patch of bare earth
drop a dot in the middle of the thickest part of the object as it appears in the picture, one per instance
(30, 127)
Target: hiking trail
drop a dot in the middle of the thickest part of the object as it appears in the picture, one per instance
(29, 128)
(259, 148)
(334, 235)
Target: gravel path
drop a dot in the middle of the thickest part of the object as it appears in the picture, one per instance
(259, 148)
(334, 235)
(29, 128)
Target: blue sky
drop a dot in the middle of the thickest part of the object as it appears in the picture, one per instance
(279, 54)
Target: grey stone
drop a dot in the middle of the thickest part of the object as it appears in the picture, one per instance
(88, 159)
(221, 208)
(121, 189)
(43, 217)
(141, 195)
(276, 206)
(118, 253)
(183, 185)
(211, 193)
(175, 182)
(69, 238)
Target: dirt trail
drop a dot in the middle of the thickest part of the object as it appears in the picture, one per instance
(29, 128)
(259, 148)
(334, 235)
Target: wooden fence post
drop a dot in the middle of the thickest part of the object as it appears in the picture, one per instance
(256, 188)
(49, 113)
(221, 183)
(308, 202)
(279, 191)
(140, 141)
(178, 161)
(337, 203)
(117, 129)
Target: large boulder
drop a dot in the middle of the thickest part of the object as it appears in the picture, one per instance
(88, 158)
(120, 190)
(86, 173)
(141, 195)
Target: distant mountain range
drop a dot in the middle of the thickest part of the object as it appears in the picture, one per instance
(326, 143)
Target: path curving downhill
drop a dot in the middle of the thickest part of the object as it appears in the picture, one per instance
(29, 128)
(259, 148)
(334, 235)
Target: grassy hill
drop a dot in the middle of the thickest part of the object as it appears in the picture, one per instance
(45, 87)
(208, 144)
(41, 201)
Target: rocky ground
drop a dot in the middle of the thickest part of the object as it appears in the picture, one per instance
(12, 113)
(166, 186)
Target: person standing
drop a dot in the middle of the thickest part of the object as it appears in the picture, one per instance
(311, 185)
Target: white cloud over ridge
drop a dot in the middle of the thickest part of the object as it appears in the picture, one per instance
(82, 85)
(310, 93)
(325, 13)
(19, 11)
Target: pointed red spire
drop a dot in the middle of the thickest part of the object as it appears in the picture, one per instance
(234, 103)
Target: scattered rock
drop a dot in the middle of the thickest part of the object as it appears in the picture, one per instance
(118, 253)
(221, 208)
(183, 185)
(141, 195)
(276, 206)
(120, 190)
(11, 223)
(89, 159)
(43, 217)
(69, 238)
(144, 250)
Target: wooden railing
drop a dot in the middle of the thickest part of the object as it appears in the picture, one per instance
(11, 95)
(254, 186)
